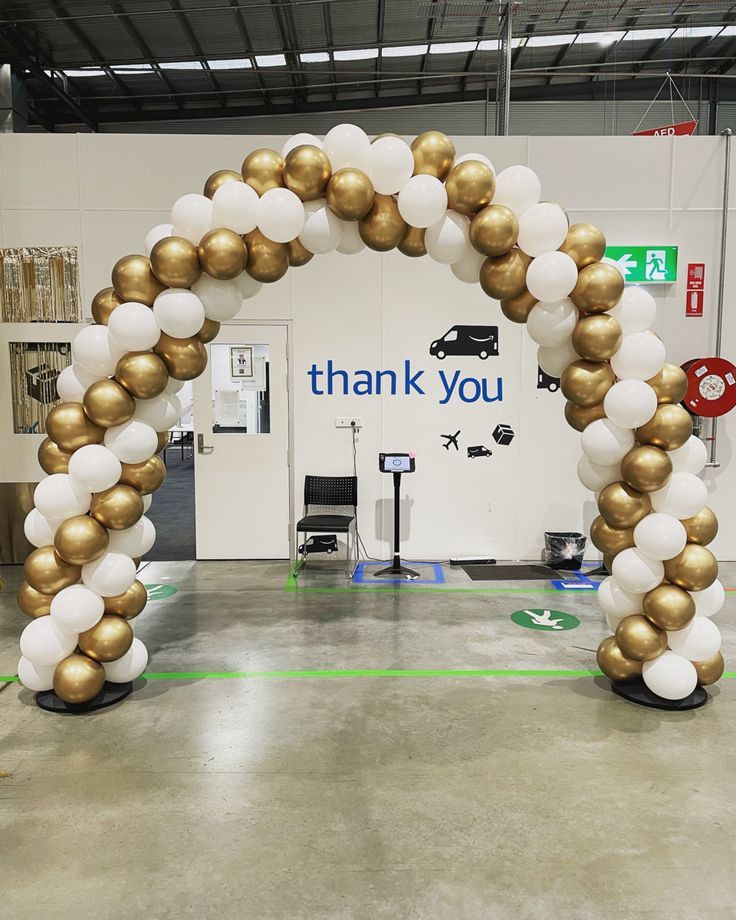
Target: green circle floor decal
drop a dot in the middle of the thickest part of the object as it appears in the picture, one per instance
(546, 620)
(159, 592)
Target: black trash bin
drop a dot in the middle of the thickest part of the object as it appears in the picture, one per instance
(564, 550)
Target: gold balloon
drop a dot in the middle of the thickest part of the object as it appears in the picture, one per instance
(668, 607)
(701, 527)
(518, 308)
(307, 171)
(504, 277)
(222, 254)
(670, 384)
(639, 639)
(646, 468)
(103, 303)
(622, 506)
(349, 193)
(382, 228)
(494, 230)
(52, 458)
(117, 508)
(48, 573)
(668, 428)
(263, 169)
(109, 639)
(32, 602)
(579, 417)
(584, 244)
(597, 337)
(142, 373)
(585, 383)
(69, 427)
(298, 254)
(107, 403)
(434, 153)
(78, 679)
(613, 664)
(267, 261)
(412, 242)
(694, 569)
(129, 604)
(210, 329)
(133, 280)
(163, 440)
(599, 288)
(710, 670)
(80, 539)
(218, 178)
(175, 262)
(185, 359)
(610, 539)
(608, 561)
(146, 477)
(470, 186)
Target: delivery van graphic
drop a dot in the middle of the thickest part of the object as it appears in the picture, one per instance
(474, 341)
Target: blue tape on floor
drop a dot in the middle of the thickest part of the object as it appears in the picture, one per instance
(435, 573)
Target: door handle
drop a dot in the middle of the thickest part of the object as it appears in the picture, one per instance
(203, 448)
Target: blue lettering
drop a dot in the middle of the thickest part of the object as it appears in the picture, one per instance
(314, 373)
(450, 388)
(331, 374)
(364, 385)
(499, 391)
(392, 378)
(410, 380)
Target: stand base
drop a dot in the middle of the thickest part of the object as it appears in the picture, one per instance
(110, 693)
(636, 691)
(601, 570)
(399, 571)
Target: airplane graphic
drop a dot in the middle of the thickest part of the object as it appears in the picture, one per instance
(451, 439)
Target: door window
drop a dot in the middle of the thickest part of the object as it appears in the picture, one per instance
(240, 389)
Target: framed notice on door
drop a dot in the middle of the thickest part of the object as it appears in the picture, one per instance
(241, 362)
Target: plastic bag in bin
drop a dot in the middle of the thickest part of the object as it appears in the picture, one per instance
(564, 550)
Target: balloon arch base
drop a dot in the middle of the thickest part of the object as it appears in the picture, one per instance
(108, 696)
(636, 691)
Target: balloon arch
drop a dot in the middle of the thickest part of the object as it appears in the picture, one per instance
(344, 193)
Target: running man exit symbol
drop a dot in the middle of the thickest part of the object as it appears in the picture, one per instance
(656, 270)
(547, 620)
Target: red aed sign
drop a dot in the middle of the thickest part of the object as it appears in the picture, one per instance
(694, 303)
(681, 128)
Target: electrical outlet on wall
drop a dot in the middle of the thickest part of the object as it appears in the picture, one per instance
(348, 421)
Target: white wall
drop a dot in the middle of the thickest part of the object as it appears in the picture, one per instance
(102, 192)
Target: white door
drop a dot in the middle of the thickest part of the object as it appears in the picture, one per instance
(241, 445)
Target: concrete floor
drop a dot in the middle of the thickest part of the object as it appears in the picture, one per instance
(422, 798)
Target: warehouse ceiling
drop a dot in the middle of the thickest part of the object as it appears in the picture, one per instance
(89, 63)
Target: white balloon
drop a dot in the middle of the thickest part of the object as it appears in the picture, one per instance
(640, 357)
(161, 412)
(58, 497)
(221, 299)
(235, 206)
(38, 530)
(670, 676)
(351, 242)
(92, 349)
(280, 215)
(133, 327)
(131, 665)
(36, 677)
(710, 600)
(73, 381)
(551, 322)
(617, 603)
(323, 230)
(133, 541)
(605, 443)
(519, 188)
(467, 267)
(697, 641)
(247, 286)
(477, 157)
(191, 217)
(682, 497)
(179, 312)
(630, 403)
(156, 234)
(660, 536)
(447, 240)
(347, 145)
(551, 276)
(299, 140)
(43, 642)
(110, 575)
(635, 572)
(390, 164)
(594, 476)
(690, 458)
(422, 201)
(76, 608)
(132, 442)
(94, 467)
(147, 501)
(553, 359)
(636, 310)
(542, 228)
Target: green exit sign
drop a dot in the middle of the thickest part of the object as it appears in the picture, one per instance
(646, 264)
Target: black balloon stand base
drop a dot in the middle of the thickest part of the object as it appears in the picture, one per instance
(110, 694)
(636, 691)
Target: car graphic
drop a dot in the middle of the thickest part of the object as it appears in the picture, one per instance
(479, 451)
(476, 341)
(325, 543)
(546, 381)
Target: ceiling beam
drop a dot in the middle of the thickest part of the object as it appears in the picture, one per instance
(380, 24)
(248, 48)
(288, 40)
(186, 28)
(430, 36)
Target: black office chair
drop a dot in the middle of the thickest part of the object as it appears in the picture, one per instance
(329, 492)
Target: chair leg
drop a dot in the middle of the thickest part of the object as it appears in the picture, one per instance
(350, 551)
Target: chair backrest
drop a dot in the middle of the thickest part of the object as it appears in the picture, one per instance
(331, 490)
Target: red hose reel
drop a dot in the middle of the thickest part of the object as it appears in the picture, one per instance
(711, 387)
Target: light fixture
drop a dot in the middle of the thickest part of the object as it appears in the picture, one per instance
(697, 32)
(180, 65)
(230, 64)
(546, 41)
(598, 38)
(314, 57)
(452, 47)
(646, 35)
(404, 51)
(270, 60)
(357, 54)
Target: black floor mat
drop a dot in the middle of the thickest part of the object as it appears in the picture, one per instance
(510, 572)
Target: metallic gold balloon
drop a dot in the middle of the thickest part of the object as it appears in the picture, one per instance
(109, 639)
(32, 602)
(349, 193)
(129, 604)
(163, 440)
(597, 337)
(646, 468)
(599, 288)
(382, 228)
(142, 373)
(146, 477)
(175, 262)
(613, 664)
(668, 428)
(48, 573)
(584, 244)
(267, 261)
(118, 507)
(668, 607)
(434, 153)
(494, 230)
(412, 242)
(80, 539)
(710, 670)
(69, 427)
(210, 329)
(579, 417)
(133, 280)
(185, 359)
(103, 303)
(78, 679)
(610, 539)
(518, 308)
(622, 506)
(218, 178)
(470, 186)
(222, 254)
(107, 403)
(585, 383)
(694, 569)
(298, 254)
(263, 169)
(702, 527)
(307, 171)
(504, 277)
(670, 384)
(639, 639)
(52, 458)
